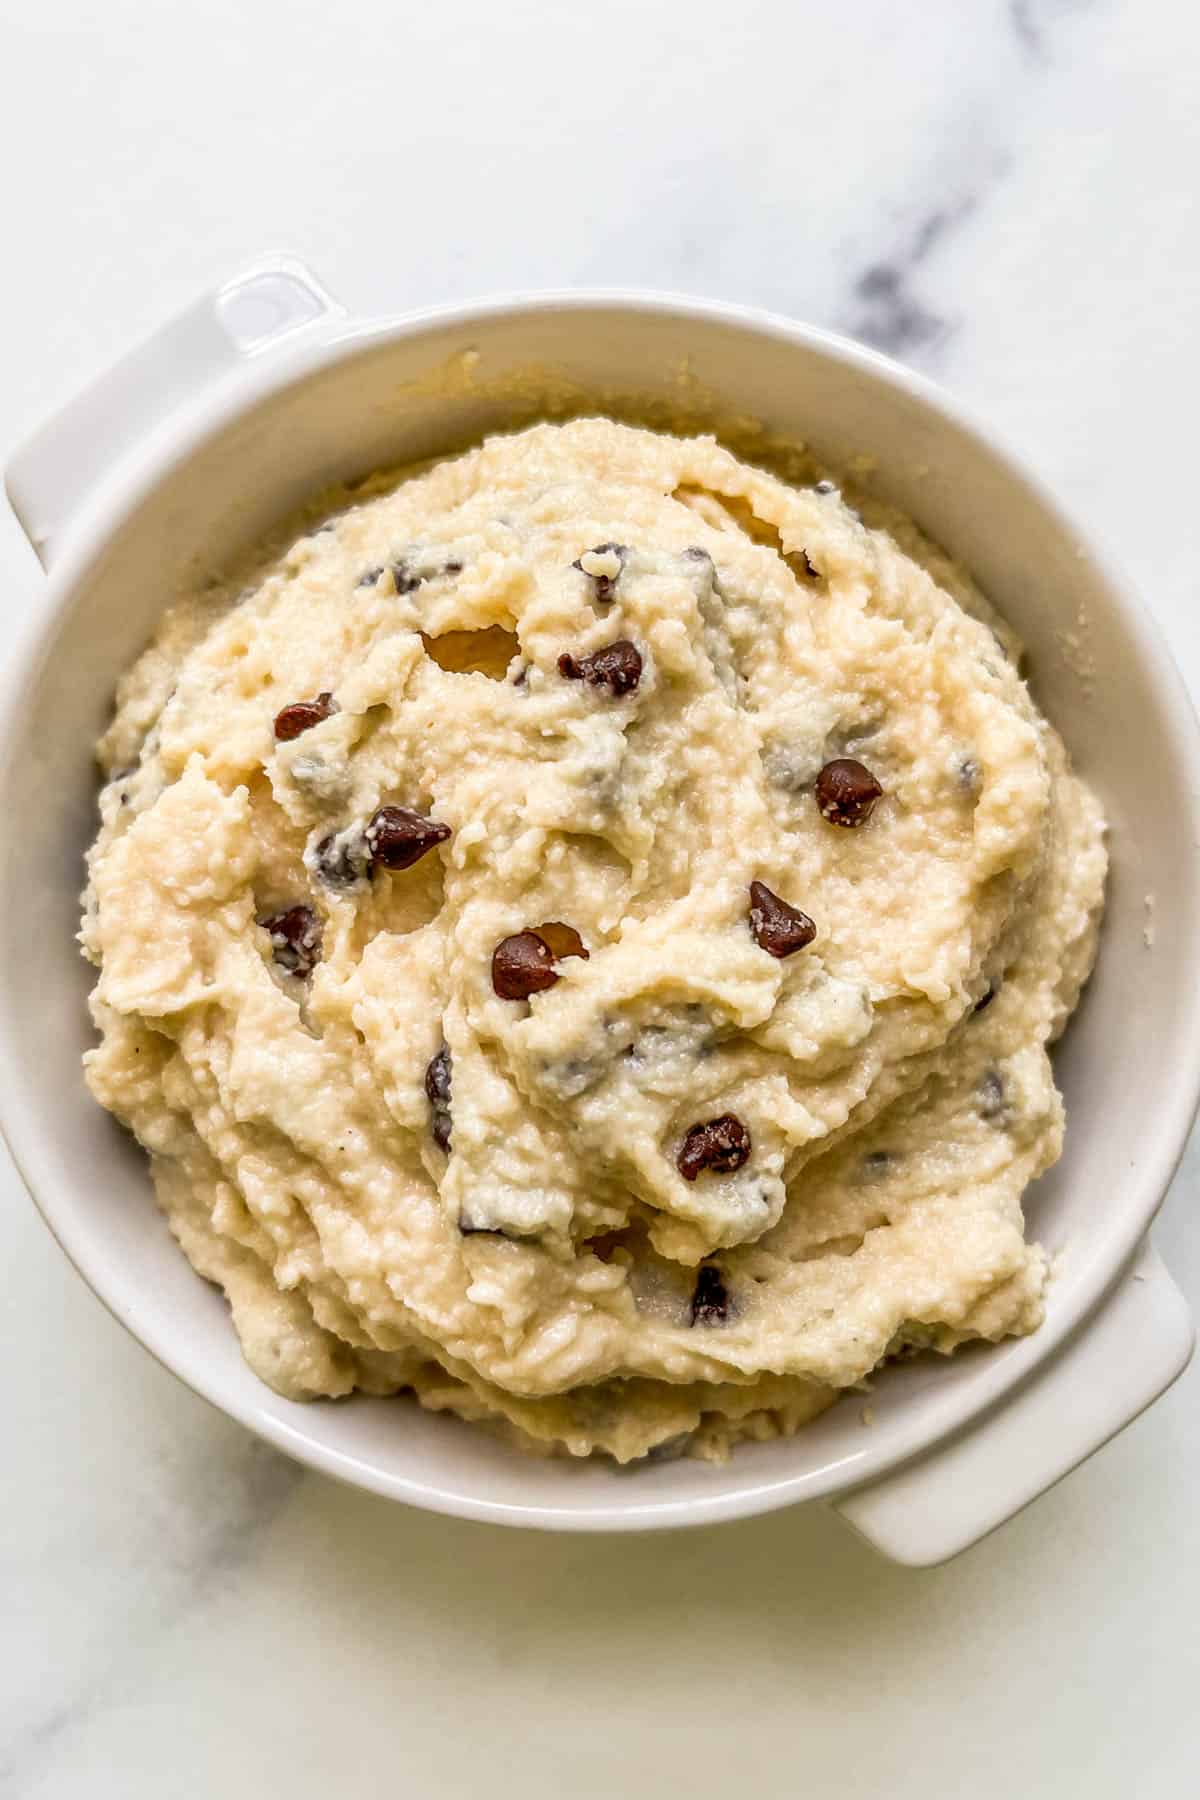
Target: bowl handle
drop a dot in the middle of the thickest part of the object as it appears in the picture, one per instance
(1118, 1361)
(54, 474)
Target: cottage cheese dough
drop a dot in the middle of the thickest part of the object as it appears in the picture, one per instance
(554, 1269)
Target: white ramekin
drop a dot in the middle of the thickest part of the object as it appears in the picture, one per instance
(264, 392)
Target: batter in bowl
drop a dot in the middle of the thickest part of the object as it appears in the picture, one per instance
(578, 938)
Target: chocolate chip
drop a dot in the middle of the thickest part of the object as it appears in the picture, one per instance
(846, 792)
(985, 999)
(991, 1096)
(437, 1092)
(342, 859)
(561, 940)
(437, 1078)
(777, 927)
(710, 1300)
(720, 1144)
(618, 667)
(295, 938)
(453, 568)
(522, 965)
(407, 579)
(302, 715)
(603, 586)
(398, 838)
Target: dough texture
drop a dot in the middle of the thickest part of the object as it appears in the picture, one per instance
(403, 1178)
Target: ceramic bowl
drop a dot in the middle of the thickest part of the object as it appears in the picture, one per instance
(264, 392)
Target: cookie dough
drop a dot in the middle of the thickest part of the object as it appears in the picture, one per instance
(578, 938)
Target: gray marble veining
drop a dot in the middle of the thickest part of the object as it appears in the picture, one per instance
(205, 1521)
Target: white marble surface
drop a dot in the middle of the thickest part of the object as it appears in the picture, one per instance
(1004, 194)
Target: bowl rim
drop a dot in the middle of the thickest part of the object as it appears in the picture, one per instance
(340, 338)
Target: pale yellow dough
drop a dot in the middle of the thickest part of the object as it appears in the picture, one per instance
(894, 1127)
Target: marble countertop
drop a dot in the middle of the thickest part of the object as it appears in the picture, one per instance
(1001, 194)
